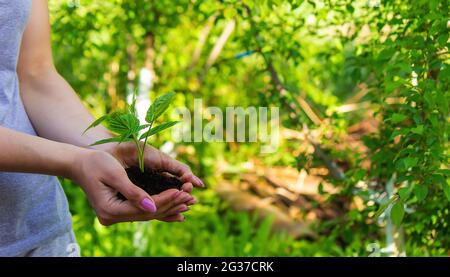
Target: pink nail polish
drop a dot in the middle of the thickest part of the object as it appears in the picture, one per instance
(177, 194)
(200, 181)
(184, 209)
(148, 205)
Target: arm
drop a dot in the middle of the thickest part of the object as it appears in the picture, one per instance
(99, 174)
(51, 104)
(35, 155)
(58, 115)
(56, 110)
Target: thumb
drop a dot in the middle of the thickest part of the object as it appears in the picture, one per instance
(135, 194)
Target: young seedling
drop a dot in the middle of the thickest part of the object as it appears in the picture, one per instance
(125, 126)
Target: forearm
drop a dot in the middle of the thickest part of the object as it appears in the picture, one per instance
(21, 152)
(56, 111)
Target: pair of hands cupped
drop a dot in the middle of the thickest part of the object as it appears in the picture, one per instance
(101, 174)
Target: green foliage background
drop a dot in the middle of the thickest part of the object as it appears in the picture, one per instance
(324, 52)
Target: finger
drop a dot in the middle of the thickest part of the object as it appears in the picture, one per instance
(120, 211)
(179, 169)
(165, 200)
(165, 196)
(133, 193)
(191, 202)
(187, 187)
(191, 178)
(177, 209)
(173, 166)
(187, 199)
(174, 218)
(124, 209)
(173, 213)
(181, 198)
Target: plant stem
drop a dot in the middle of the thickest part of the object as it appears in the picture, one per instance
(141, 159)
(145, 140)
(140, 153)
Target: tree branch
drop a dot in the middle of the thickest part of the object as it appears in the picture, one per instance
(229, 27)
(201, 42)
(294, 105)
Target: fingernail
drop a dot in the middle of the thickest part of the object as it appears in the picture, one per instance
(200, 181)
(190, 198)
(148, 205)
(184, 209)
(192, 202)
(177, 193)
(185, 196)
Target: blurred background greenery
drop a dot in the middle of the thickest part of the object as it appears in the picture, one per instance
(363, 91)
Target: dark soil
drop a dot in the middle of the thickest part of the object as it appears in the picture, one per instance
(152, 181)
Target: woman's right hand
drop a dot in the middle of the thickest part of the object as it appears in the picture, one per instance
(102, 176)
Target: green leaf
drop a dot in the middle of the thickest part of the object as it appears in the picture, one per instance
(320, 189)
(418, 130)
(108, 140)
(115, 124)
(397, 213)
(446, 188)
(399, 132)
(404, 193)
(229, 13)
(392, 85)
(144, 126)
(360, 174)
(125, 137)
(350, 8)
(132, 107)
(421, 192)
(158, 129)
(442, 39)
(386, 54)
(396, 118)
(96, 123)
(312, 3)
(384, 206)
(381, 210)
(410, 162)
(159, 106)
(123, 123)
(429, 98)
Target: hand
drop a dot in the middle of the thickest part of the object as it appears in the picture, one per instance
(126, 153)
(101, 176)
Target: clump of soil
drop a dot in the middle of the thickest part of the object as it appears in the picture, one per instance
(152, 181)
